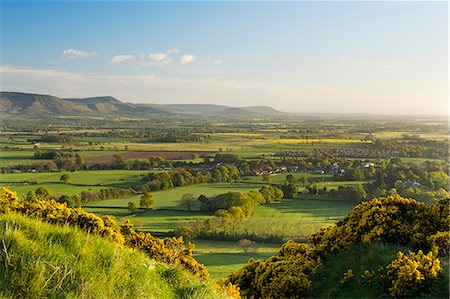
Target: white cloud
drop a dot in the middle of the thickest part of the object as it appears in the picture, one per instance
(77, 54)
(217, 89)
(188, 58)
(141, 88)
(217, 61)
(173, 51)
(161, 58)
(121, 58)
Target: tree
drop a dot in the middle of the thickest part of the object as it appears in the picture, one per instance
(132, 207)
(289, 190)
(187, 200)
(202, 199)
(31, 195)
(290, 179)
(246, 244)
(303, 181)
(235, 177)
(64, 178)
(68, 200)
(146, 200)
(43, 192)
(267, 177)
(119, 161)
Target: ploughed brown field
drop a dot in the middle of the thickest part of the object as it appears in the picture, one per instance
(173, 155)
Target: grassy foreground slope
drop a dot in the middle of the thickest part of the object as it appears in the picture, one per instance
(39, 260)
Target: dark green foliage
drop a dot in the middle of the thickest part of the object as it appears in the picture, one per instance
(147, 200)
(232, 199)
(105, 194)
(271, 193)
(184, 177)
(226, 158)
(59, 138)
(64, 178)
(289, 190)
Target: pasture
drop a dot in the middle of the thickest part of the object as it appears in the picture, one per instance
(223, 258)
(79, 180)
(170, 199)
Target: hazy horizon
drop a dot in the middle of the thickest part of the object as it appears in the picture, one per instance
(321, 57)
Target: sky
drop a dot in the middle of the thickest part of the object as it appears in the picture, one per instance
(307, 56)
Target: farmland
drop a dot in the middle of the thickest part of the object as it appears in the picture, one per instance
(117, 154)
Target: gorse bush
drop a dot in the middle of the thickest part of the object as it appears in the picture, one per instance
(411, 273)
(393, 219)
(285, 275)
(172, 251)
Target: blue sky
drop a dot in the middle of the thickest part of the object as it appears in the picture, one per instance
(373, 57)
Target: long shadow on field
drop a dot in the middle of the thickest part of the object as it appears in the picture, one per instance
(222, 259)
(317, 208)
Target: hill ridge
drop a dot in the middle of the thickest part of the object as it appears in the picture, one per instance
(20, 103)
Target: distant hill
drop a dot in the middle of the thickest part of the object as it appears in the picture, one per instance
(197, 108)
(252, 110)
(35, 104)
(111, 105)
(23, 103)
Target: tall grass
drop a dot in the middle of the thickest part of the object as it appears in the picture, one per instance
(40, 260)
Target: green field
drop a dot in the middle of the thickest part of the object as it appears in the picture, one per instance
(223, 258)
(152, 220)
(292, 218)
(171, 198)
(79, 180)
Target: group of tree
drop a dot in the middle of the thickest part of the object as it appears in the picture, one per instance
(164, 180)
(231, 207)
(172, 136)
(57, 138)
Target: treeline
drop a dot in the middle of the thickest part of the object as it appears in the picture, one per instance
(77, 200)
(54, 138)
(231, 207)
(175, 136)
(171, 251)
(184, 177)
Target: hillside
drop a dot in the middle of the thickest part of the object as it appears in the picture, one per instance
(40, 260)
(111, 105)
(252, 111)
(23, 103)
(197, 108)
(17, 103)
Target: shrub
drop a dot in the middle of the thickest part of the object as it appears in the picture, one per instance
(285, 275)
(172, 251)
(411, 273)
(393, 219)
